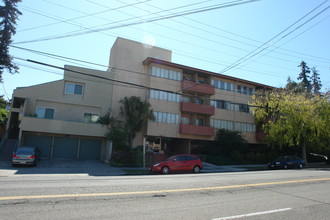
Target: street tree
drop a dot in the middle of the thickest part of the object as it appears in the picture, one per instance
(293, 119)
(8, 14)
(136, 113)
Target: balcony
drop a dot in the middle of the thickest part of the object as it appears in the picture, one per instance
(190, 86)
(196, 130)
(197, 108)
(62, 127)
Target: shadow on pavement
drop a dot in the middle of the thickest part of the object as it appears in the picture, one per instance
(61, 166)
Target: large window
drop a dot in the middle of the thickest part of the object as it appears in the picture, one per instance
(165, 73)
(91, 118)
(222, 85)
(245, 127)
(73, 88)
(168, 96)
(245, 90)
(166, 117)
(45, 113)
(230, 125)
(221, 104)
(243, 108)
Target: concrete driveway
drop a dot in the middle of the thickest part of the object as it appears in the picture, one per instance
(61, 166)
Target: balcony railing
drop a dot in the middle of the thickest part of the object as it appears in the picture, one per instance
(197, 108)
(62, 127)
(196, 130)
(187, 85)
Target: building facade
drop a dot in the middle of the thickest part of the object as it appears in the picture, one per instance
(60, 117)
(189, 104)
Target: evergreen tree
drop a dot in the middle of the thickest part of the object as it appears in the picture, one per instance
(294, 87)
(316, 81)
(304, 76)
(8, 15)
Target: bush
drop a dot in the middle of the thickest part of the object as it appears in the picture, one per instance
(131, 158)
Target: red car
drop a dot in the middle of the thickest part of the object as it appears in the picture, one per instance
(176, 163)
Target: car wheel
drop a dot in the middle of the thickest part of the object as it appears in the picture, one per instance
(285, 166)
(301, 166)
(165, 170)
(196, 169)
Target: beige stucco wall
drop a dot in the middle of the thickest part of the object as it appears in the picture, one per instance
(69, 109)
(126, 64)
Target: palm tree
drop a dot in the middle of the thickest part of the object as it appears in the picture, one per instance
(136, 113)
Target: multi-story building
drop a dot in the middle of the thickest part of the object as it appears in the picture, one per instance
(189, 104)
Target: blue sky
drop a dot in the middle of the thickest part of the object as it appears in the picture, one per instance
(271, 37)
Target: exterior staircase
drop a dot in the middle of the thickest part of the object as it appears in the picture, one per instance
(7, 150)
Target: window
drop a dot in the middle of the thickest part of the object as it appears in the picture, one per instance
(45, 113)
(243, 108)
(72, 88)
(251, 91)
(191, 158)
(165, 73)
(200, 122)
(165, 117)
(180, 158)
(91, 118)
(239, 89)
(185, 120)
(199, 101)
(161, 95)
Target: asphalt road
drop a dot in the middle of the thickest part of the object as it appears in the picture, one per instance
(276, 194)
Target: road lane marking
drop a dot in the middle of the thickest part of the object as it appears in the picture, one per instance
(253, 214)
(156, 191)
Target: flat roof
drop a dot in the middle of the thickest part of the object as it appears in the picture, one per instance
(149, 60)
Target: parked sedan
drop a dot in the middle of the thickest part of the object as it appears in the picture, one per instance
(177, 163)
(26, 156)
(287, 162)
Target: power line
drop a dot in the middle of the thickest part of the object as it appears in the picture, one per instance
(143, 21)
(123, 82)
(264, 72)
(260, 48)
(80, 17)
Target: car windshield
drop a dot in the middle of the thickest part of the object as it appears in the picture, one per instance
(24, 151)
(170, 158)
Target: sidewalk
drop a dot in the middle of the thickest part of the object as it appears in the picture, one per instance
(61, 167)
(211, 168)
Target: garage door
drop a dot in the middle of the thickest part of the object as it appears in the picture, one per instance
(65, 147)
(89, 149)
(44, 143)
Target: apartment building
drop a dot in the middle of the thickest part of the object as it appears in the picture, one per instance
(189, 104)
(60, 117)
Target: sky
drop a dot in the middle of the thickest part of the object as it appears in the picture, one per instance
(262, 41)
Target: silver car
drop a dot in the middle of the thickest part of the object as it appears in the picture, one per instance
(26, 156)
